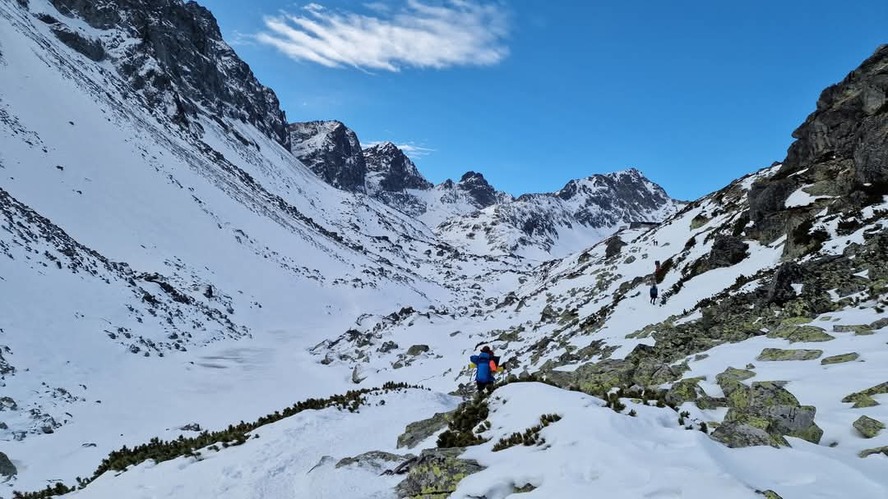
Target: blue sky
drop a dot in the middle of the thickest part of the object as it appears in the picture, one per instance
(533, 93)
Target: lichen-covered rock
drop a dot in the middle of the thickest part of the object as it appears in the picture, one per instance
(420, 430)
(375, 461)
(436, 473)
(777, 354)
(870, 452)
(732, 373)
(7, 469)
(766, 406)
(734, 434)
(795, 333)
(864, 398)
(685, 390)
(868, 427)
(417, 349)
(838, 359)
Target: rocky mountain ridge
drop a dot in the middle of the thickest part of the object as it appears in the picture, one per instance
(471, 213)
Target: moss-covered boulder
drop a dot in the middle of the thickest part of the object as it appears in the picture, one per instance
(685, 390)
(420, 430)
(765, 406)
(415, 350)
(7, 469)
(436, 474)
(735, 434)
(868, 427)
(733, 374)
(778, 354)
(796, 333)
(839, 359)
(865, 398)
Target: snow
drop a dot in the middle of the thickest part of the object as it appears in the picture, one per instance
(801, 198)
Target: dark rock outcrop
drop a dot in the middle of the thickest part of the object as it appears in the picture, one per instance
(7, 469)
(180, 61)
(332, 151)
(481, 192)
(839, 152)
(392, 170)
(89, 47)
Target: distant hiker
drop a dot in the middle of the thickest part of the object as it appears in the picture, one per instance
(657, 267)
(485, 365)
(653, 294)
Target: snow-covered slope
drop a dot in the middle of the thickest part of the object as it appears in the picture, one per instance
(133, 241)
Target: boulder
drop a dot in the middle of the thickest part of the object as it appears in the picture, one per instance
(864, 398)
(417, 349)
(736, 434)
(436, 473)
(777, 354)
(7, 469)
(868, 427)
(418, 431)
(766, 406)
(838, 359)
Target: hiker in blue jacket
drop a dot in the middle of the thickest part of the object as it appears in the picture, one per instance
(485, 365)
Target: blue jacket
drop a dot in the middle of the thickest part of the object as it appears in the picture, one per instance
(482, 361)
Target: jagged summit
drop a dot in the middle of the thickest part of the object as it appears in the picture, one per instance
(390, 170)
(481, 192)
(542, 225)
(332, 151)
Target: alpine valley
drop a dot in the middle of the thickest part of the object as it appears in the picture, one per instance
(201, 299)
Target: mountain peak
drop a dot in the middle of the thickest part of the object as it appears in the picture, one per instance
(481, 192)
(389, 169)
(332, 151)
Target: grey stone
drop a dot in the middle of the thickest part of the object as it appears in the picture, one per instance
(7, 469)
(415, 350)
(418, 431)
(734, 434)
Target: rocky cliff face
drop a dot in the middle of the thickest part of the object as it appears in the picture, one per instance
(390, 170)
(172, 53)
(478, 189)
(839, 160)
(332, 151)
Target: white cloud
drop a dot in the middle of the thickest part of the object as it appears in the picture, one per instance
(410, 149)
(415, 151)
(455, 33)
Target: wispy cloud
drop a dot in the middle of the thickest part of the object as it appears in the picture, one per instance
(415, 151)
(414, 34)
(410, 149)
